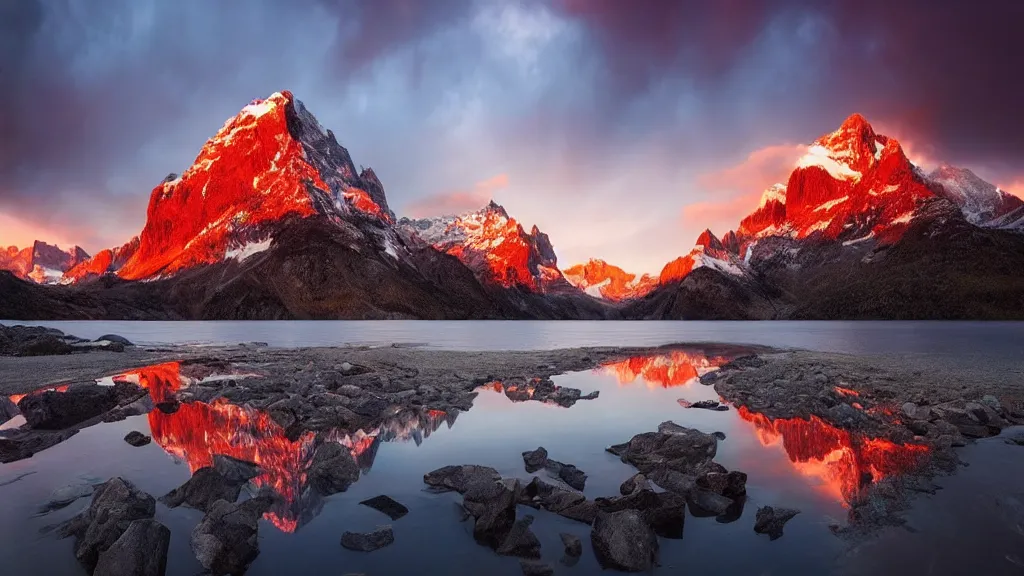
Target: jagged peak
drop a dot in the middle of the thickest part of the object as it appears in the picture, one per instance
(774, 193)
(707, 239)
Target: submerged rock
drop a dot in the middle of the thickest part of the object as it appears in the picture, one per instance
(386, 505)
(140, 551)
(65, 496)
(520, 541)
(369, 541)
(531, 568)
(225, 540)
(623, 541)
(115, 505)
(136, 438)
(770, 520)
(573, 545)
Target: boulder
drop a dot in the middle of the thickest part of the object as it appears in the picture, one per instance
(532, 568)
(115, 505)
(116, 339)
(225, 540)
(535, 460)
(770, 520)
(51, 410)
(386, 505)
(520, 542)
(460, 478)
(729, 484)
(664, 512)
(568, 473)
(45, 345)
(136, 438)
(573, 545)
(493, 505)
(623, 541)
(21, 444)
(634, 483)
(369, 541)
(235, 470)
(673, 447)
(707, 503)
(202, 490)
(333, 469)
(140, 551)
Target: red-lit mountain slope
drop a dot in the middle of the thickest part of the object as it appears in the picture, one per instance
(41, 263)
(603, 280)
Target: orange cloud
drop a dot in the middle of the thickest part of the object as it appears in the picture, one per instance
(1015, 187)
(15, 232)
(760, 169)
(718, 215)
(458, 201)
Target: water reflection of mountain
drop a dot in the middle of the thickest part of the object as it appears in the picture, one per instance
(843, 461)
(197, 431)
(675, 368)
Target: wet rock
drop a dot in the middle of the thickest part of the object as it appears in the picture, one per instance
(623, 541)
(136, 438)
(674, 447)
(21, 444)
(369, 541)
(673, 481)
(140, 551)
(169, 406)
(584, 511)
(573, 545)
(202, 490)
(235, 470)
(568, 473)
(386, 505)
(225, 540)
(521, 542)
(115, 505)
(531, 568)
(333, 469)
(771, 520)
(664, 512)
(719, 435)
(493, 505)
(114, 338)
(730, 484)
(51, 410)
(143, 405)
(535, 460)
(460, 478)
(707, 503)
(634, 483)
(710, 405)
(65, 496)
(8, 409)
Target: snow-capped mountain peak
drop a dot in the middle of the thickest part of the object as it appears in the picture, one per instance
(981, 202)
(603, 280)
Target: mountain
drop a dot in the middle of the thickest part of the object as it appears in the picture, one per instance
(41, 263)
(602, 280)
(857, 231)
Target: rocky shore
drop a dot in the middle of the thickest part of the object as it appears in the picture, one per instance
(915, 416)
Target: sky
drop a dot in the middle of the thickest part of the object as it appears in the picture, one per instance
(622, 129)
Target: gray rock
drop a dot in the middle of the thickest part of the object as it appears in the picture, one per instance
(460, 478)
(771, 520)
(369, 541)
(573, 545)
(136, 438)
(673, 481)
(623, 541)
(202, 490)
(664, 512)
(333, 469)
(531, 568)
(52, 410)
(634, 483)
(674, 447)
(20, 444)
(350, 390)
(140, 551)
(386, 505)
(992, 402)
(494, 506)
(707, 503)
(371, 407)
(235, 470)
(45, 345)
(713, 405)
(730, 484)
(225, 540)
(521, 542)
(535, 460)
(8, 409)
(143, 405)
(114, 338)
(115, 505)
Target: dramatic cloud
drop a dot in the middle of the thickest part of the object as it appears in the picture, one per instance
(719, 216)
(609, 118)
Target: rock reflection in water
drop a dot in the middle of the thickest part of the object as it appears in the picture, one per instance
(844, 461)
(676, 368)
(197, 431)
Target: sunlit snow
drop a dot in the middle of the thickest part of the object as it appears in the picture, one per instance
(249, 249)
(820, 156)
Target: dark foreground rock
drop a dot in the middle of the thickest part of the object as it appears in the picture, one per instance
(45, 345)
(225, 541)
(623, 541)
(136, 438)
(115, 338)
(573, 545)
(206, 487)
(663, 512)
(8, 409)
(493, 504)
(65, 496)
(521, 542)
(369, 541)
(571, 475)
(532, 568)
(535, 459)
(51, 410)
(333, 469)
(673, 447)
(460, 477)
(115, 505)
(140, 551)
(771, 520)
(386, 505)
(21, 444)
(566, 503)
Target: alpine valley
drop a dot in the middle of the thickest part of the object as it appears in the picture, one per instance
(274, 221)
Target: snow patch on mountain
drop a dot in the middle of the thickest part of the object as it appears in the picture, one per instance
(822, 157)
(248, 250)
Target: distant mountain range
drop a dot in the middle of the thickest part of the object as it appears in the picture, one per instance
(274, 221)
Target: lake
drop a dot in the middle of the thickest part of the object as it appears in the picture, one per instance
(791, 464)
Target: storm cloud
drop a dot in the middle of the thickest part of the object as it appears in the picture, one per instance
(608, 118)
